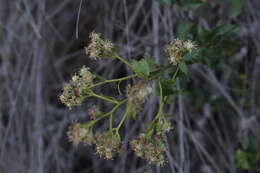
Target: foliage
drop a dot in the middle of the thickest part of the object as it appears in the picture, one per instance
(250, 158)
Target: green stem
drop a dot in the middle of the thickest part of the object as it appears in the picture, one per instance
(113, 80)
(161, 104)
(151, 127)
(122, 121)
(106, 114)
(111, 121)
(124, 61)
(176, 72)
(104, 98)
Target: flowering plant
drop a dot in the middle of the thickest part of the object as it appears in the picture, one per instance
(149, 145)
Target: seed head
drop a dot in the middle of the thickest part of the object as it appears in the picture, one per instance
(108, 145)
(78, 134)
(99, 48)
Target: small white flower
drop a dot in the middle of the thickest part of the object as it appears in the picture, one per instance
(189, 45)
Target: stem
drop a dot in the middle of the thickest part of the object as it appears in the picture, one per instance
(107, 114)
(104, 98)
(124, 61)
(161, 104)
(111, 121)
(150, 129)
(113, 80)
(175, 74)
(122, 121)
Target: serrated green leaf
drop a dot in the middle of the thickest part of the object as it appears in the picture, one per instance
(144, 67)
(183, 67)
(191, 55)
(141, 68)
(183, 28)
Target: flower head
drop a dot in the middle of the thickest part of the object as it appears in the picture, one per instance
(150, 148)
(189, 45)
(177, 49)
(78, 134)
(138, 93)
(78, 88)
(99, 48)
(108, 144)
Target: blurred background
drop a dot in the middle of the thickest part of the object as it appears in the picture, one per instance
(216, 119)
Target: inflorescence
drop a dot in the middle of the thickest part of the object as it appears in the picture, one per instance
(177, 49)
(78, 88)
(108, 144)
(149, 145)
(138, 93)
(99, 48)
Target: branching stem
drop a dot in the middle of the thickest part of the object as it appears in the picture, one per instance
(113, 80)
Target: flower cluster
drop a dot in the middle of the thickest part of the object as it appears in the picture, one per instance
(79, 134)
(99, 48)
(178, 49)
(151, 145)
(150, 148)
(108, 144)
(78, 88)
(138, 93)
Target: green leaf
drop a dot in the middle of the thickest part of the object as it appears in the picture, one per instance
(144, 67)
(242, 160)
(184, 28)
(183, 67)
(168, 86)
(192, 55)
(234, 6)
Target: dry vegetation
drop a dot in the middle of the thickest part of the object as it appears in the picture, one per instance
(42, 45)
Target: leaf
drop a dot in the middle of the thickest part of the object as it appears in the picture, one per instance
(192, 55)
(168, 86)
(184, 28)
(234, 6)
(183, 67)
(242, 160)
(144, 67)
